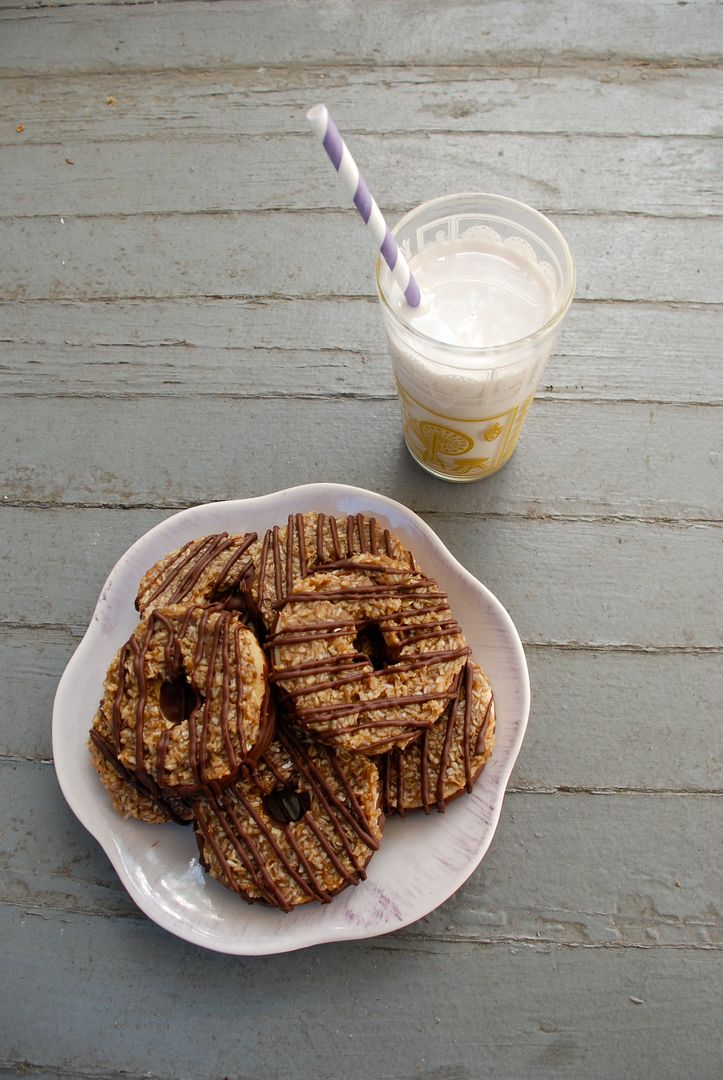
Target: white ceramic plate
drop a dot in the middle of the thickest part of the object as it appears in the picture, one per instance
(422, 860)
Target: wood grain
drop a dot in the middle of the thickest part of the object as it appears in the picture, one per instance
(656, 177)
(196, 35)
(207, 288)
(582, 573)
(639, 100)
(317, 348)
(321, 254)
(601, 720)
(664, 891)
(233, 452)
(606, 720)
(563, 1026)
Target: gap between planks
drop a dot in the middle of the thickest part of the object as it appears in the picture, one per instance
(565, 519)
(475, 133)
(341, 395)
(403, 940)
(558, 62)
(77, 632)
(334, 211)
(265, 299)
(512, 789)
(33, 1068)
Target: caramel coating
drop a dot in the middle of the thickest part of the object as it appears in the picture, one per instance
(448, 758)
(301, 827)
(216, 569)
(366, 655)
(188, 700)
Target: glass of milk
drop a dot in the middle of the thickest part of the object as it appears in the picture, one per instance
(496, 278)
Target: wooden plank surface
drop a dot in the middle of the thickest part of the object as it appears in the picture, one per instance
(196, 35)
(321, 254)
(112, 177)
(250, 348)
(680, 445)
(612, 701)
(664, 892)
(639, 100)
(175, 256)
(565, 1025)
(592, 566)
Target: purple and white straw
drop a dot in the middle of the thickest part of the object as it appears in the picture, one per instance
(356, 188)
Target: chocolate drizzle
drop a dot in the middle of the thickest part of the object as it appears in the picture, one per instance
(421, 601)
(186, 704)
(184, 571)
(432, 777)
(284, 821)
(300, 549)
(263, 824)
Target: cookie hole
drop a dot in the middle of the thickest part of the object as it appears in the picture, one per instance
(235, 599)
(370, 642)
(178, 699)
(286, 805)
(238, 599)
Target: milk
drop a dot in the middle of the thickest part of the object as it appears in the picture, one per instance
(469, 359)
(478, 295)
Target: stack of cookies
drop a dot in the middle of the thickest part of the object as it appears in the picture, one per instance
(282, 694)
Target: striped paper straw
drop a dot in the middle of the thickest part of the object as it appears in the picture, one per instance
(356, 188)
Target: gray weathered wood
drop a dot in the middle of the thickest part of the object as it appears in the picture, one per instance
(426, 1008)
(581, 576)
(31, 663)
(601, 720)
(604, 99)
(613, 719)
(679, 176)
(664, 890)
(249, 348)
(196, 35)
(681, 444)
(208, 280)
(325, 253)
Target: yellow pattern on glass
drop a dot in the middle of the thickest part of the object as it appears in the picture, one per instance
(468, 467)
(437, 439)
(433, 444)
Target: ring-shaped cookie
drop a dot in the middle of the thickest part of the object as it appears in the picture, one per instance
(366, 655)
(299, 827)
(188, 700)
(216, 570)
(448, 758)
